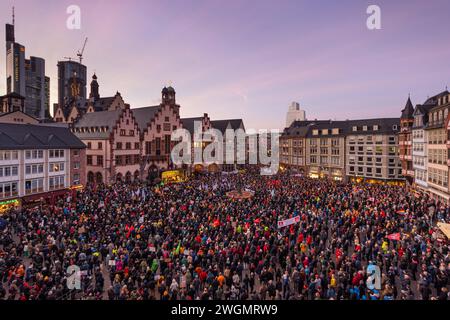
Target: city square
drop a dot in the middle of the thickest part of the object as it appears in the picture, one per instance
(212, 191)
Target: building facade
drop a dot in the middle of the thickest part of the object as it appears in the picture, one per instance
(419, 147)
(372, 150)
(325, 151)
(112, 145)
(343, 150)
(437, 152)
(293, 148)
(38, 162)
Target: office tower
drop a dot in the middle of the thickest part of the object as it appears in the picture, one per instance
(26, 77)
(295, 114)
(37, 88)
(72, 78)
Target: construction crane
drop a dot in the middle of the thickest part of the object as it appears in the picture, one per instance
(80, 53)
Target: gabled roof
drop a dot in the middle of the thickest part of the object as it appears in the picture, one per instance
(222, 125)
(98, 119)
(434, 99)
(408, 111)
(422, 109)
(27, 136)
(293, 131)
(13, 95)
(305, 128)
(145, 115)
(21, 113)
(106, 119)
(188, 123)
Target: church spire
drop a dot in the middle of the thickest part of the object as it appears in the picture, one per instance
(95, 95)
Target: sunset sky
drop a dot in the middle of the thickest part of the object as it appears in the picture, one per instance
(249, 58)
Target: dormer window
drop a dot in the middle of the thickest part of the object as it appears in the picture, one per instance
(355, 128)
(375, 127)
(364, 128)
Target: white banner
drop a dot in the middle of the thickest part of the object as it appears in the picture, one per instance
(288, 222)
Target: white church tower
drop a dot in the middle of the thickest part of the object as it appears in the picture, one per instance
(295, 114)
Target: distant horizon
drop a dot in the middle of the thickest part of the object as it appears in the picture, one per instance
(244, 60)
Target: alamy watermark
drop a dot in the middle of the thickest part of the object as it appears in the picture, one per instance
(73, 22)
(374, 20)
(374, 277)
(233, 147)
(73, 277)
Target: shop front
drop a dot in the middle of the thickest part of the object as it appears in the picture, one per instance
(173, 176)
(7, 205)
(314, 173)
(44, 198)
(336, 174)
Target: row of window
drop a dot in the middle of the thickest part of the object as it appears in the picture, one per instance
(55, 183)
(421, 175)
(325, 132)
(324, 160)
(324, 142)
(419, 161)
(369, 160)
(9, 171)
(127, 160)
(9, 155)
(9, 189)
(439, 177)
(437, 156)
(34, 154)
(56, 154)
(56, 167)
(123, 133)
(438, 117)
(154, 147)
(437, 137)
(418, 134)
(119, 146)
(90, 161)
(369, 171)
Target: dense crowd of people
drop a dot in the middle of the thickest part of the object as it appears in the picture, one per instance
(190, 241)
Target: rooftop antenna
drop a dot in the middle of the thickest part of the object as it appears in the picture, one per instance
(13, 17)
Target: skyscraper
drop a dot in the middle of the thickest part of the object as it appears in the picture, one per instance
(294, 114)
(37, 88)
(72, 79)
(15, 63)
(26, 77)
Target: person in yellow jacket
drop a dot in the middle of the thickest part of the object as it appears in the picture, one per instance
(333, 281)
(385, 246)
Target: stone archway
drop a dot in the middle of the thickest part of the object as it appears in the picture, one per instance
(153, 172)
(136, 175)
(98, 178)
(128, 177)
(90, 177)
(119, 177)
